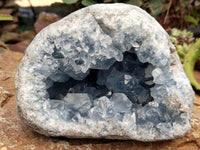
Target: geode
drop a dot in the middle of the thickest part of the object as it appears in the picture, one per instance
(105, 71)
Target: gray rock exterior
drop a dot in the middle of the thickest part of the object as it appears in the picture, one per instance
(105, 71)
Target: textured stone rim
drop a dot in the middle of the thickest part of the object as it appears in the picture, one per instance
(33, 102)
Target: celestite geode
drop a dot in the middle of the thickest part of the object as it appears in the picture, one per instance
(105, 71)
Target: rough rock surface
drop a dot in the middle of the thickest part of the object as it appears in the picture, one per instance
(104, 72)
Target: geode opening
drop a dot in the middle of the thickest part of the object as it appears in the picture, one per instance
(130, 77)
(105, 71)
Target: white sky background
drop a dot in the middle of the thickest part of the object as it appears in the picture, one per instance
(35, 3)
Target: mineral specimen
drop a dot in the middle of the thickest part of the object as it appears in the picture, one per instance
(105, 71)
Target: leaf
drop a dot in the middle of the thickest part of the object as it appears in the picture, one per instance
(135, 2)
(156, 7)
(180, 53)
(175, 32)
(186, 47)
(4, 17)
(173, 40)
(70, 1)
(186, 33)
(189, 62)
(87, 2)
(191, 20)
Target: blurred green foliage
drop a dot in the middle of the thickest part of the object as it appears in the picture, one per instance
(191, 11)
(4, 17)
(155, 6)
(189, 62)
(87, 2)
(188, 50)
(186, 10)
(182, 39)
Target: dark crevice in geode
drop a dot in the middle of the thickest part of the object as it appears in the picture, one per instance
(56, 54)
(130, 77)
(60, 89)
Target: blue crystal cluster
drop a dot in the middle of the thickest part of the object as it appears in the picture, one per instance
(114, 91)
